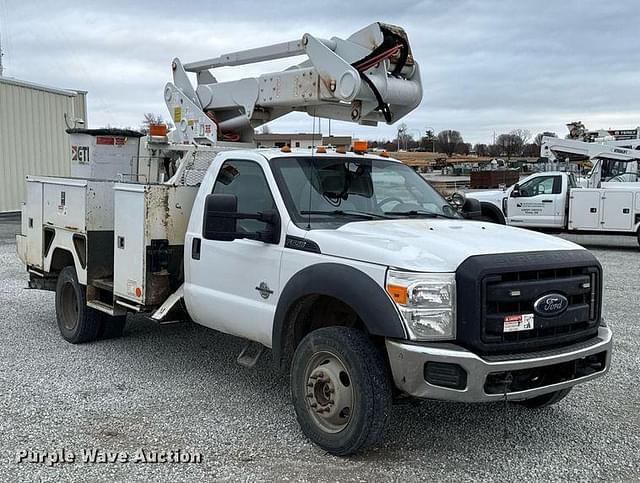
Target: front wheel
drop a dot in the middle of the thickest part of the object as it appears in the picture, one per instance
(341, 390)
(545, 400)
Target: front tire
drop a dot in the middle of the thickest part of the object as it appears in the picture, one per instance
(545, 400)
(77, 322)
(341, 390)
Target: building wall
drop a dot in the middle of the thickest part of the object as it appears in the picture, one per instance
(32, 135)
(302, 140)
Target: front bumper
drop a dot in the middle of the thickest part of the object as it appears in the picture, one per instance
(489, 378)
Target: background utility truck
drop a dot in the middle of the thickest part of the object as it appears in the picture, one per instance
(554, 201)
(363, 281)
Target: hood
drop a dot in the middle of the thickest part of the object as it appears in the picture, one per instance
(486, 195)
(433, 245)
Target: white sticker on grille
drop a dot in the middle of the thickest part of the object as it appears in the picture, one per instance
(516, 323)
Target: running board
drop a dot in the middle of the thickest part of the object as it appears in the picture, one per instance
(250, 354)
(106, 308)
(168, 304)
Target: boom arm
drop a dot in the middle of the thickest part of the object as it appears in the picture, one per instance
(367, 78)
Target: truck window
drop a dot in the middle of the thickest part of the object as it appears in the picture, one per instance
(542, 185)
(327, 192)
(612, 168)
(246, 180)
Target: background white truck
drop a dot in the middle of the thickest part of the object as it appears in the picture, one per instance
(554, 201)
(363, 281)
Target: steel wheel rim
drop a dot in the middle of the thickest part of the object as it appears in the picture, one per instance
(329, 395)
(69, 307)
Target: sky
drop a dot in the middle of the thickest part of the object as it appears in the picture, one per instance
(487, 66)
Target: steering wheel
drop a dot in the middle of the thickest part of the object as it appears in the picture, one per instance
(388, 200)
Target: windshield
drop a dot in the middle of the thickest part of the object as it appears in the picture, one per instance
(322, 192)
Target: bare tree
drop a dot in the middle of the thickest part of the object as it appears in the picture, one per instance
(448, 140)
(531, 150)
(509, 144)
(523, 135)
(403, 138)
(481, 149)
(494, 150)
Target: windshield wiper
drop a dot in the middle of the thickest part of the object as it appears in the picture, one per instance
(419, 213)
(358, 214)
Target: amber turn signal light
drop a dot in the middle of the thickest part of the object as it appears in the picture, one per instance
(398, 293)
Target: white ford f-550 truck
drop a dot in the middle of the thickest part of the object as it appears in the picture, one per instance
(365, 284)
(554, 201)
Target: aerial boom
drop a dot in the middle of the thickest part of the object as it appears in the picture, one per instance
(369, 77)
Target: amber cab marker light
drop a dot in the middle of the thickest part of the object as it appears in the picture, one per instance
(384, 154)
(158, 130)
(341, 150)
(320, 149)
(359, 146)
(398, 293)
(285, 149)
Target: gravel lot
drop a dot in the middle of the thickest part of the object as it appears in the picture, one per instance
(178, 386)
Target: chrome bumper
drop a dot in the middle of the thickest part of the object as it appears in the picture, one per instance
(408, 368)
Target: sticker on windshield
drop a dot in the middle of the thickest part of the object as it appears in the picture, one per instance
(516, 323)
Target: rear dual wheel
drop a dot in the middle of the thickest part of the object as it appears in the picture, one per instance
(77, 322)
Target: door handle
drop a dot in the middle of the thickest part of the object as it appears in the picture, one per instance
(195, 248)
(547, 201)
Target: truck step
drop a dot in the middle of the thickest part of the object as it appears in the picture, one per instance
(250, 354)
(106, 308)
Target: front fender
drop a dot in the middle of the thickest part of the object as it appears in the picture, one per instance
(347, 284)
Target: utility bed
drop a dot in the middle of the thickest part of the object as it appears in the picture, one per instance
(126, 239)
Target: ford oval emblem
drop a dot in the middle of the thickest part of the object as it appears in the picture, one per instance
(550, 305)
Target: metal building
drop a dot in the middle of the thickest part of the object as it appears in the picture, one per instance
(33, 120)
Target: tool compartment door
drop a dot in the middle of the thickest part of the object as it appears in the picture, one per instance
(584, 209)
(32, 224)
(617, 210)
(129, 242)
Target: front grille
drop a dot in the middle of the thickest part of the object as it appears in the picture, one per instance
(493, 287)
(578, 284)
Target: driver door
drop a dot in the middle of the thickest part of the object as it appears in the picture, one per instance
(537, 203)
(234, 284)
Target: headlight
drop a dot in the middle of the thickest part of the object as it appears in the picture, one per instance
(427, 302)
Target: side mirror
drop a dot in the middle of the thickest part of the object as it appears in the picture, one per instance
(221, 221)
(515, 192)
(472, 209)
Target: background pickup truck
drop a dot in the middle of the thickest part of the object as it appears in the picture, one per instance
(554, 201)
(365, 284)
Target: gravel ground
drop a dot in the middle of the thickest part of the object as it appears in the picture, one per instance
(178, 387)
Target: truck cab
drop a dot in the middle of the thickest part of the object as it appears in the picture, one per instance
(540, 200)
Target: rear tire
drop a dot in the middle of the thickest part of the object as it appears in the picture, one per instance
(545, 400)
(77, 322)
(341, 390)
